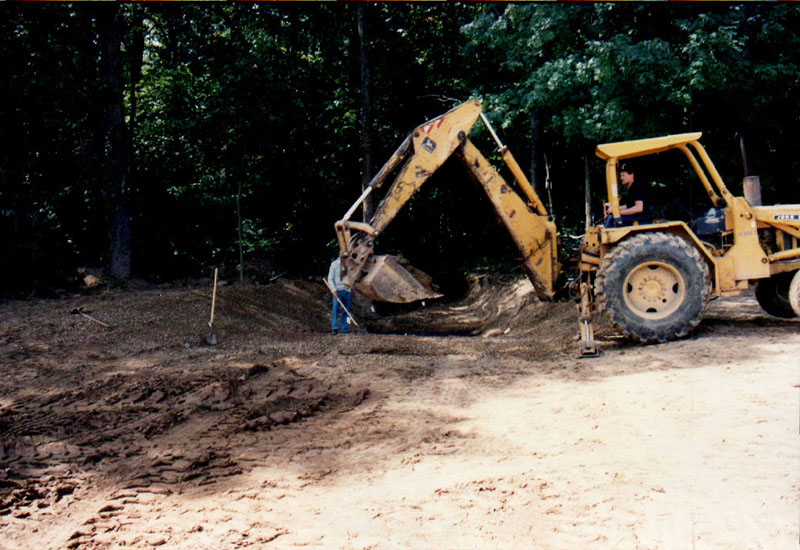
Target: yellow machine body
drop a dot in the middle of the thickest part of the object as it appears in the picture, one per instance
(744, 256)
(421, 154)
(654, 279)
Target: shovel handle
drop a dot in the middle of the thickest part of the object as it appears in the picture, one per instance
(213, 297)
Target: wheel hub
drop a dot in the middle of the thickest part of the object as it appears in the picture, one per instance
(651, 289)
(654, 290)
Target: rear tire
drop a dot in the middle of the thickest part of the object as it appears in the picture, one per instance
(654, 287)
(773, 295)
(794, 293)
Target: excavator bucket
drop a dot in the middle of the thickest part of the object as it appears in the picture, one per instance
(392, 279)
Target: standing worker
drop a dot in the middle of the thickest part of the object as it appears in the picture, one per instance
(339, 317)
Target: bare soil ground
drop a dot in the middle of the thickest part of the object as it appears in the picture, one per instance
(465, 425)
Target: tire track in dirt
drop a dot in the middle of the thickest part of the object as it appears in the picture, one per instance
(119, 435)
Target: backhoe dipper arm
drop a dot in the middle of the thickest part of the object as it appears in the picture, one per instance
(535, 236)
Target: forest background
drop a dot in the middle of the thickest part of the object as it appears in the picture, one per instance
(157, 140)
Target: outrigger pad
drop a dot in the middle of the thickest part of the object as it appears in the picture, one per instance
(391, 279)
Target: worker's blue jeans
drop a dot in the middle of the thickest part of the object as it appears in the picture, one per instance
(338, 316)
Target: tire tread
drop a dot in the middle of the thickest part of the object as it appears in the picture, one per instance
(629, 251)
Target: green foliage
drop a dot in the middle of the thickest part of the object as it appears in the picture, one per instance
(617, 71)
(261, 102)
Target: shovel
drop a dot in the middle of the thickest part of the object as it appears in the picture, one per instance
(79, 311)
(211, 338)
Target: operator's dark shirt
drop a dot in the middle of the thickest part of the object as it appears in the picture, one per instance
(636, 192)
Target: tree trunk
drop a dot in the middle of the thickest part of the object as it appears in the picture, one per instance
(535, 155)
(239, 226)
(587, 192)
(116, 141)
(135, 61)
(366, 113)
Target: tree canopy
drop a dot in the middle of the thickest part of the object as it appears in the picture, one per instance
(238, 125)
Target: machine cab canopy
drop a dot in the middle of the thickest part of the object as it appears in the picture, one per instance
(637, 148)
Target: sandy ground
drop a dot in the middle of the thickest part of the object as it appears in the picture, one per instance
(283, 436)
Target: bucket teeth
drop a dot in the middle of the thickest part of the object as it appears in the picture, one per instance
(391, 279)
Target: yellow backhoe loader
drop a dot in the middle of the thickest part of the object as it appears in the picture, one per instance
(653, 279)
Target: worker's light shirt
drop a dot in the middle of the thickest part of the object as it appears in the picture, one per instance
(335, 276)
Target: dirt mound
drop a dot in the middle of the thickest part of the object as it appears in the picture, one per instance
(493, 306)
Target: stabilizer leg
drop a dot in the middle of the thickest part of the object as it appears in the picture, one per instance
(588, 347)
